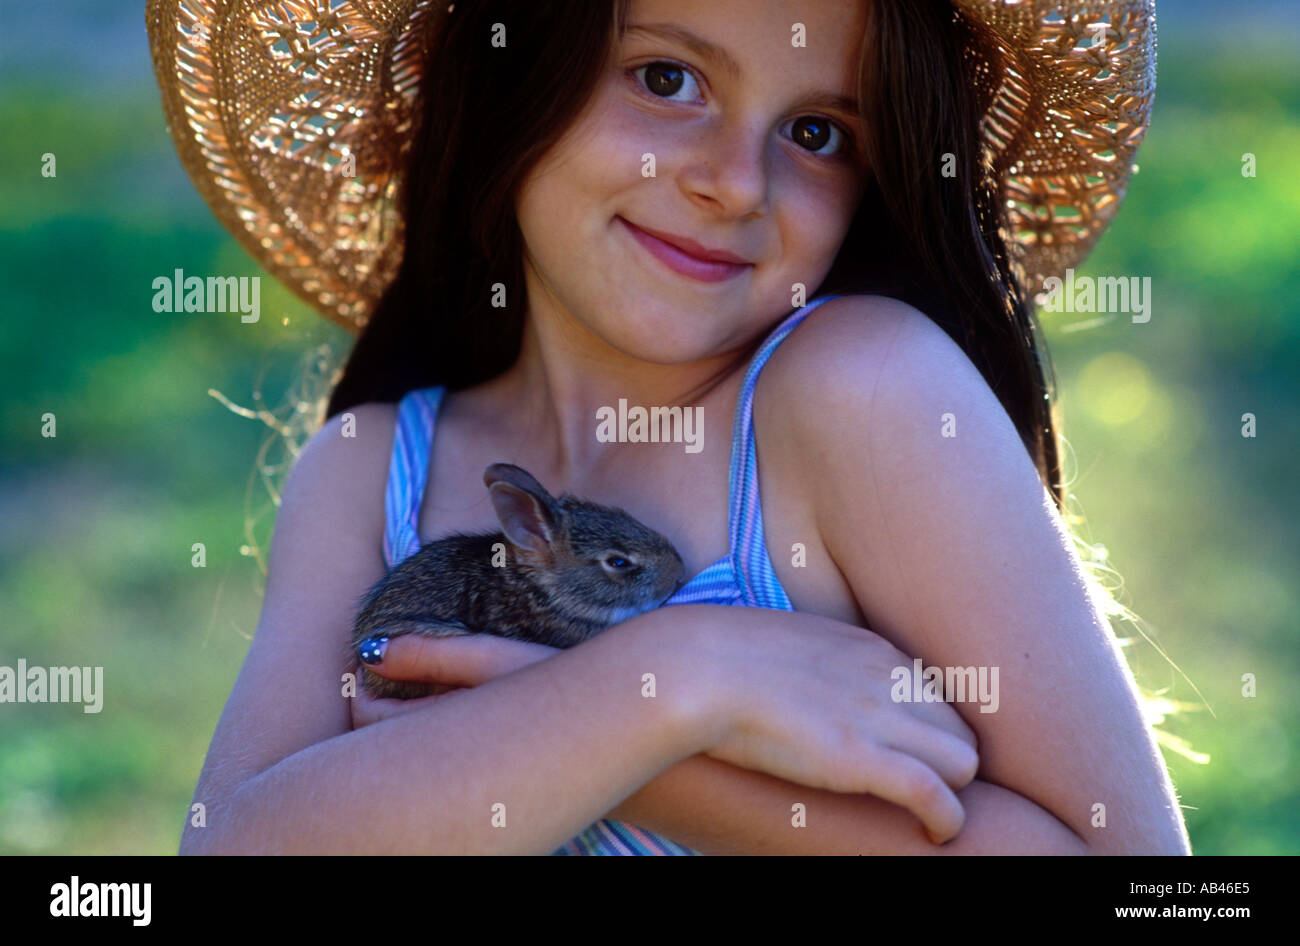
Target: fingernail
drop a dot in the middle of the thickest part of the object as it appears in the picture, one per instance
(371, 650)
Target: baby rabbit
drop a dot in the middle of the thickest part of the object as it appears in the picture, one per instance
(561, 571)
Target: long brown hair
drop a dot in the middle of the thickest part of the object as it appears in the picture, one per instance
(928, 239)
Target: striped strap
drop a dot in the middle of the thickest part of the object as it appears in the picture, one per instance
(408, 470)
(753, 568)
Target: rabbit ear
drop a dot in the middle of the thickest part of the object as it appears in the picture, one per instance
(525, 509)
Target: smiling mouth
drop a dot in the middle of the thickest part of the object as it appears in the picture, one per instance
(682, 262)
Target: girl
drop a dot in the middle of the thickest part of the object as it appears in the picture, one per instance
(626, 201)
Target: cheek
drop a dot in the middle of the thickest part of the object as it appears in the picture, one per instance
(815, 214)
(581, 182)
(598, 156)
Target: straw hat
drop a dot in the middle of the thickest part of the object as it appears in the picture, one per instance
(293, 118)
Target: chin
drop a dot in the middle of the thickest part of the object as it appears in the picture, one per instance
(662, 336)
(661, 348)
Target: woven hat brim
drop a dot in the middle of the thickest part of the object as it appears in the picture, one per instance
(1072, 103)
(293, 120)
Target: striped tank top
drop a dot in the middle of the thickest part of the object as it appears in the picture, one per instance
(744, 577)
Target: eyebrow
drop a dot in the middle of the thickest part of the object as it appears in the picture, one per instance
(715, 53)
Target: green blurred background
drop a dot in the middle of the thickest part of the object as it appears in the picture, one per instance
(98, 522)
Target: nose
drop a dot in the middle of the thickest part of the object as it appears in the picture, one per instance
(729, 172)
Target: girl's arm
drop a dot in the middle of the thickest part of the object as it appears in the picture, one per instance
(717, 808)
(285, 773)
(955, 553)
(525, 762)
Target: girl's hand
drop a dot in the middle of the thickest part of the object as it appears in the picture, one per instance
(808, 699)
(463, 661)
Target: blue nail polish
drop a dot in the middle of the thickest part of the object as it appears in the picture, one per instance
(371, 650)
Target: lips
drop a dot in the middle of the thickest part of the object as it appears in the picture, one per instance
(687, 257)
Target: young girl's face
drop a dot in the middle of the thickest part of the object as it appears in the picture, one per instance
(708, 127)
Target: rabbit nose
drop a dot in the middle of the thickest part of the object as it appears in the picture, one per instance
(674, 578)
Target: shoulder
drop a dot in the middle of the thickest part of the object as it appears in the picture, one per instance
(353, 447)
(856, 343)
(874, 366)
(892, 435)
(335, 489)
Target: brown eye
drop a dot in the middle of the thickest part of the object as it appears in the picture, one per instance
(666, 79)
(814, 133)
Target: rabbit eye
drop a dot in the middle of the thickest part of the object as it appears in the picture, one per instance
(618, 563)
